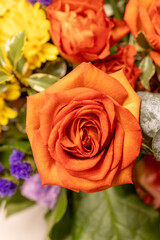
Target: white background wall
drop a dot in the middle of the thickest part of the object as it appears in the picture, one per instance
(26, 225)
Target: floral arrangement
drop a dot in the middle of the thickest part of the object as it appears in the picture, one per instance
(80, 115)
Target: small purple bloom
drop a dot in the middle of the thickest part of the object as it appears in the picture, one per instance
(16, 156)
(45, 2)
(21, 170)
(7, 188)
(45, 195)
(32, 1)
(1, 168)
(42, 2)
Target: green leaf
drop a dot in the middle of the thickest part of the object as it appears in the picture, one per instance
(23, 146)
(11, 135)
(158, 72)
(131, 40)
(14, 48)
(13, 208)
(114, 214)
(142, 40)
(150, 113)
(113, 49)
(148, 69)
(22, 66)
(41, 81)
(55, 216)
(61, 206)
(21, 119)
(4, 77)
(57, 68)
(31, 92)
(4, 157)
(2, 61)
(145, 149)
(62, 230)
(115, 9)
(156, 145)
(16, 204)
(147, 144)
(3, 88)
(6, 147)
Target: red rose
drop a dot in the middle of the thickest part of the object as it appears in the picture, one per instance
(82, 31)
(124, 58)
(84, 131)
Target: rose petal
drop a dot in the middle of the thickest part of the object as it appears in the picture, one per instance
(100, 170)
(109, 160)
(53, 104)
(124, 176)
(88, 3)
(150, 33)
(59, 132)
(118, 141)
(119, 31)
(110, 109)
(84, 184)
(132, 102)
(45, 164)
(156, 57)
(146, 3)
(34, 104)
(132, 10)
(132, 138)
(88, 76)
(71, 162)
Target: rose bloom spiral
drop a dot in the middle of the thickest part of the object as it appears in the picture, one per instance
(84, 131)
(82, 31)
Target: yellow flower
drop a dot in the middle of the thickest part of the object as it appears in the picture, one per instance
(4, 6)
(22, 16)
(12, 92)
(6, 113)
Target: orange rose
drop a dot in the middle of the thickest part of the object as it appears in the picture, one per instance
(144, 16)
(147, 180)
(124, 58)
(82, 31)
(84, 131)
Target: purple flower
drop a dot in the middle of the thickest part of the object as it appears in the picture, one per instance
(45, 195)
(16, 156)
(21, 170)
(1, 168)
(42, 2)
(7, 188)
(45, 2)
(32, 1)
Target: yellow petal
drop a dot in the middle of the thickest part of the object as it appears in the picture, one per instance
(10, 113)
(13, 92)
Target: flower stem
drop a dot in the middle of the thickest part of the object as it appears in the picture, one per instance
(17, 78)
(115, 9)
